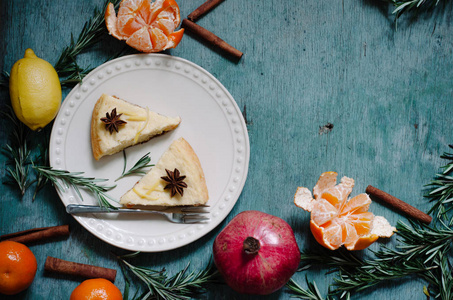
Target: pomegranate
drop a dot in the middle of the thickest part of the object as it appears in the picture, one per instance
(256, 253)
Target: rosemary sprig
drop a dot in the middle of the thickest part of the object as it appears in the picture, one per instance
(440, 278)
(419, 246)
(19, 154)
(299, 292)
(402, 6)
(417, 242)
(181, 286)
(19, 173)
(333, 259)
(93, 30)
(41, 158)
(358, 275)
(143, 162)
(18, 151)
(422, 250)
(373, 273)
(63, 179)
(41, 180)
(441, 190)
(78, 73)
(312, 293)
(76, 76)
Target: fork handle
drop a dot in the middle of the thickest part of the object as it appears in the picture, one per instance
(81, 209)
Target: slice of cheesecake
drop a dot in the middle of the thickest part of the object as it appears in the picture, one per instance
(117, 124)
(176, 179)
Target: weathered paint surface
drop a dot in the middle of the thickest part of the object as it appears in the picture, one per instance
(387, 93)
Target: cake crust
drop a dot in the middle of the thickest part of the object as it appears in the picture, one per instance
(95, 140)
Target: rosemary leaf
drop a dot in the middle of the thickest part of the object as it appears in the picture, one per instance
(312, 293)
(402, 6)
(41, 182)
(440, 278)
(373, 273)
(143, 162)
(417, 241)
(192, 283)
(75, 76)
(181, 286)
(17, 152)
(333, 259)
(92, 32)
(418, 251)
(77, 73)
(440, 191)
(419, 246)
(76, 180)
(43, 160)
(422, 250)
(299, 292)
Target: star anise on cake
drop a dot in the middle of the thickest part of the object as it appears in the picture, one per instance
(175, 182)
(112, 121)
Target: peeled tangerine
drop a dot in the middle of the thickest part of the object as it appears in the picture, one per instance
(337, 220)
(144, 25)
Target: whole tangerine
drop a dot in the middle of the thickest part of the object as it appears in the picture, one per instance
(96, 289)
(17, 267)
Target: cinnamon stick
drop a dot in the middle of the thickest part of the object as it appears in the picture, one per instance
(203, 9)
(400, 205)
(211, 38)
(60, 266)
(37, 234)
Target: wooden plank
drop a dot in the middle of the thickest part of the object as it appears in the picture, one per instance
(306, 63)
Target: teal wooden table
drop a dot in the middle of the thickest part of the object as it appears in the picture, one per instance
(386, 90)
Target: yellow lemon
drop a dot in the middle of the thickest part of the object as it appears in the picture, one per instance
(35, 91)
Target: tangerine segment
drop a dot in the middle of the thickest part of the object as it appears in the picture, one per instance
(325, 212)
(318, 233)
(111, 22)
(362, 223)
(380, 227)
(146, 26)
(337, 195)
(168, 17)
(362, 242)
(133, 15)
(339, 231)
(357, 204)
(141, 40)
(350, 234)
(175, 38)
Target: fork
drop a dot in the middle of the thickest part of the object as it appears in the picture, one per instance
(188, 215)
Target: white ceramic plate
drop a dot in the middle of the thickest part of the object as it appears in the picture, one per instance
(211, 122)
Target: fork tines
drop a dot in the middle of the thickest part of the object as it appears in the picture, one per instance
(194, 218)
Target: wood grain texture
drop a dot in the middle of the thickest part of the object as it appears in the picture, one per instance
(306, 63)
